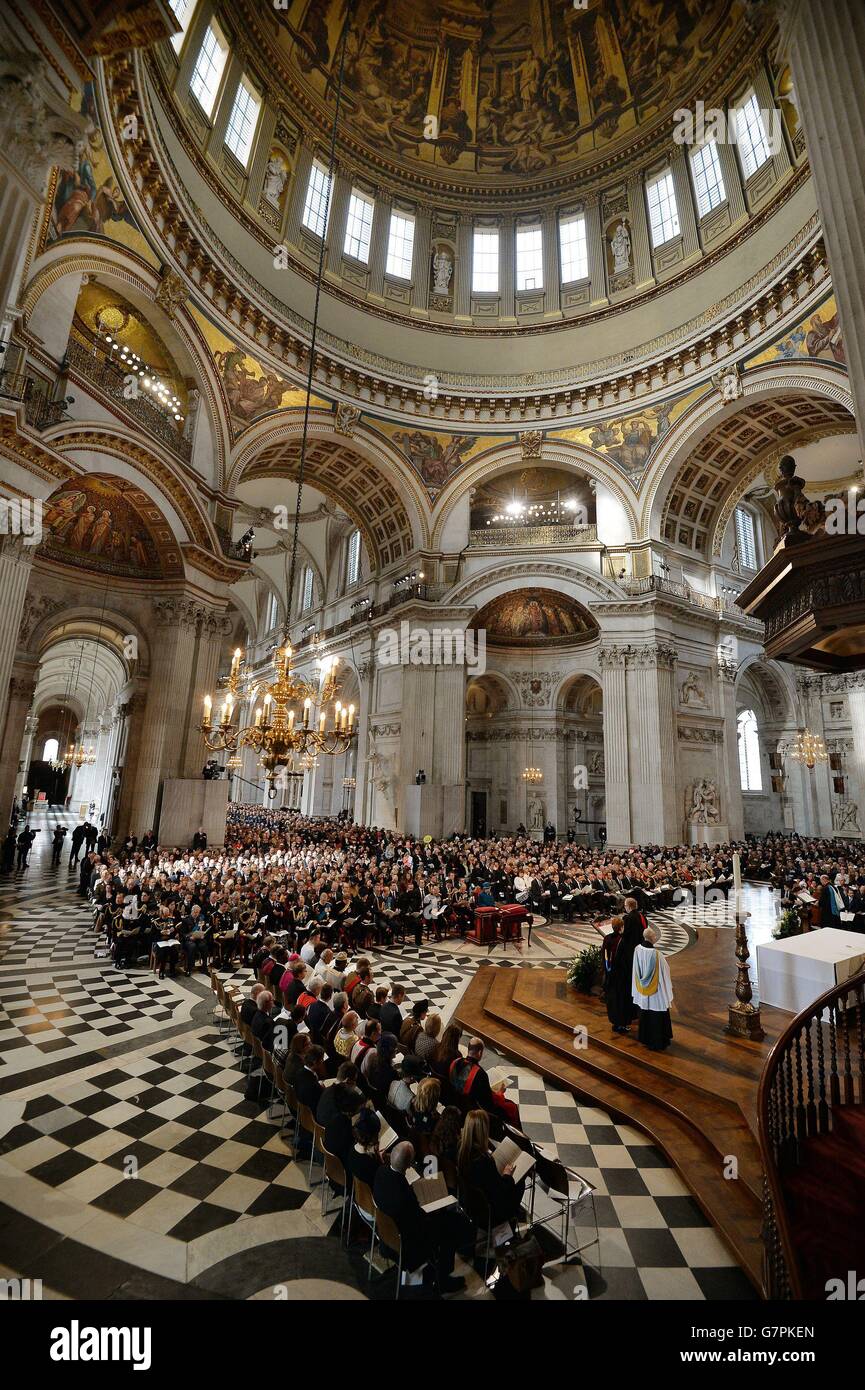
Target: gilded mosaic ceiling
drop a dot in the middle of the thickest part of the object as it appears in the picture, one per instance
(526, 88)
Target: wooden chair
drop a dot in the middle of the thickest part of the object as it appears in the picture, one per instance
(335, 1173)
(362, 1201)
(306, 1120)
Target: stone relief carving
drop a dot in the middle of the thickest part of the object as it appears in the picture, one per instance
(692, 692)
(630, 656)
(701, 803)
(36, 607)
(347, 416)
(690, 733)
(536, 687)
(845, 816)
(170, 292)
(728, 382)
(531, 442)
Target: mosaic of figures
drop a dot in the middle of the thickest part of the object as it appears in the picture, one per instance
(108, 524)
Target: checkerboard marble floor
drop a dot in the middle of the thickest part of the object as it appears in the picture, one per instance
(130, 1158)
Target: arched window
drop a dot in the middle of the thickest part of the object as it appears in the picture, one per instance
(306, 588)
(746, 538)
(352, 566)
(50, 750)
(272, 612)
(750, 773)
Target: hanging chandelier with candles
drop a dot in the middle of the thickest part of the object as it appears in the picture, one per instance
(290, 722)
(808, 748)
(532, 774)
(79, 756)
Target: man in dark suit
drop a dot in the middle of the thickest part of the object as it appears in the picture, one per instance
(309, 1088)
(391, 1014)
(425, 1237)
(319, 1012)
(262, 1023)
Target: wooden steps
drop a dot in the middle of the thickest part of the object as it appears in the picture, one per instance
(530, 1015)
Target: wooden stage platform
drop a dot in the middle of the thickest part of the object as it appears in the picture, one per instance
(697, 1101)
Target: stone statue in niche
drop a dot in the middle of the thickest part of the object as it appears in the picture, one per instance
(620, 245)
(692, 692)
(537, 815)
(443, 269)
(702, 808)
(275, 176)
(789, 491)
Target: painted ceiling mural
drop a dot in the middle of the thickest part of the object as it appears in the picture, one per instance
(251, 390)
(817, 337)
(528, 616)
(109, 524)
(514, 87)
(87, 200)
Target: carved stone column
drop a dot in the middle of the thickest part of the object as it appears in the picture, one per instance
(856, 705)
(165, 716)
(15, 565)
(733, 810)
(655, 814)
(211, 653)
(19, 696)
(825, 44)
(616, 760)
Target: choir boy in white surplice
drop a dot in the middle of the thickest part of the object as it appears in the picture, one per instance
(652, 993)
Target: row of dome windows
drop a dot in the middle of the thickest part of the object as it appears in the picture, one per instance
(751, 141)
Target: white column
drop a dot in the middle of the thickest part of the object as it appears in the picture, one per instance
(616, 761)
(19, 696)
(15, 562)
(732, 812)
(654, 811)
(826, 46)
(168, 693)
(856, 706)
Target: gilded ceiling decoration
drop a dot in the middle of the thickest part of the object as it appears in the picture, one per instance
(507, 87)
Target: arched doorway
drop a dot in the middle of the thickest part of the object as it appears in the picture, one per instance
(581, 716)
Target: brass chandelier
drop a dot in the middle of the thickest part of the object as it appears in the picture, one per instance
(290, 723)
(808, 748)
(79, 756)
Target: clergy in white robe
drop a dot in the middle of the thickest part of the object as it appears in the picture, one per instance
(652, 991)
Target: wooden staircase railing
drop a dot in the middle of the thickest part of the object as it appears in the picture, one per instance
(817, 1065)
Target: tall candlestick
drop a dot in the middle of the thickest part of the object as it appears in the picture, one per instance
(208, 705)
(291, 719)
(350, 715)
(737, 872)
(321, 723)
(307, 705)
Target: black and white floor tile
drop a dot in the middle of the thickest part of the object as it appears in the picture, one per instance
(131, 1161)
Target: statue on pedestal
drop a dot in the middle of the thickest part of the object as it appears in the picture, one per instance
(788, 509)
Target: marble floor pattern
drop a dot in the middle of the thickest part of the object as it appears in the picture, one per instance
(131, 1166)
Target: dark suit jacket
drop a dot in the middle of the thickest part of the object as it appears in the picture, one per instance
(317, 1016)
(308, 1089)
(262, 1028)
(391, 1019)
(392, 1192)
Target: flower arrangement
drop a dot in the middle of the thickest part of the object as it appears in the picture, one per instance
(584, 970)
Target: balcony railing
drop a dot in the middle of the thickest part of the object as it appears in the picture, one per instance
(39, 411)
(109, 380)
(638, 585)
(559, 534)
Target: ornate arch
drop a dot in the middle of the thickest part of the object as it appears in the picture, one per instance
(712, 446)
(362, 473)
(771, 684)
(556, 453)
(525, 574)
(117, 263)
(120, 443)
